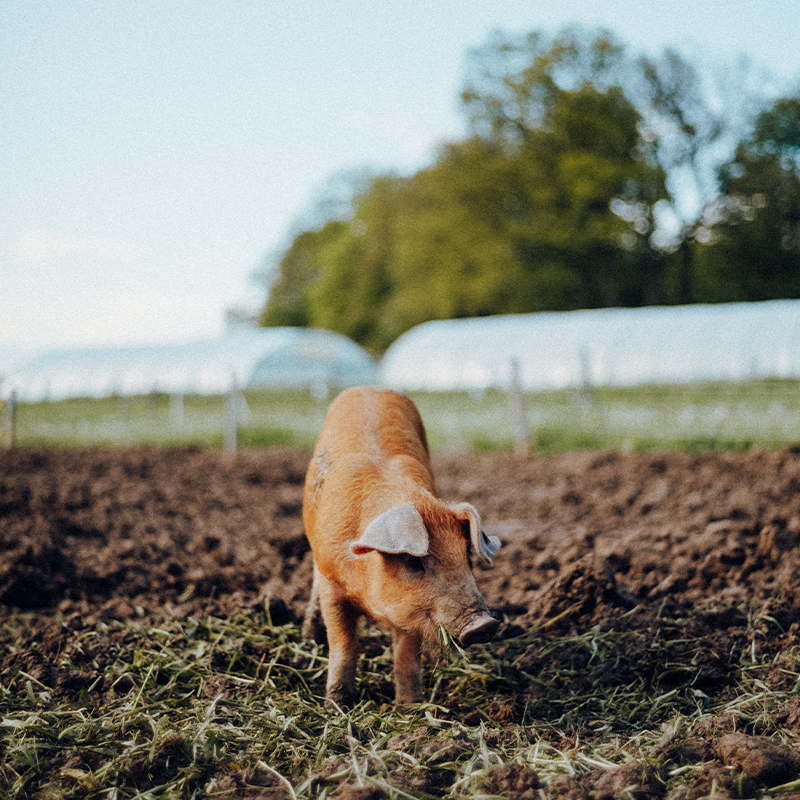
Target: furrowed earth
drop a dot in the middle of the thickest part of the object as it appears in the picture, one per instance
(650, 644)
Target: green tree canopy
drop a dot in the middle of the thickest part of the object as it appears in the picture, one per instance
(754, 247)
(551, 201)
(338, 276)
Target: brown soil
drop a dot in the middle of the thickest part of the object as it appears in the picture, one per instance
(705, 549)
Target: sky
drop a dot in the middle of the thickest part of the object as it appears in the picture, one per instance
(153, 152)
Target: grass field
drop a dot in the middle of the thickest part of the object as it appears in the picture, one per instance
(694, 418)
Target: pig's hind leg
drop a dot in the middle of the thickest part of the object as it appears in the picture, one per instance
(341, 622)
(407, 653)
(313, 625)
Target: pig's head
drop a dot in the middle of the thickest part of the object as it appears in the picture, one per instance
(417, 570)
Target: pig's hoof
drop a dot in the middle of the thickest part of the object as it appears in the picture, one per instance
(481, 628)
(339, 700)
(408, 699)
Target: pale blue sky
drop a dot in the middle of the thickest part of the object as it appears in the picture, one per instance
(152, 152)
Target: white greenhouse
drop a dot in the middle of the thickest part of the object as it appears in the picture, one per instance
(603, 347)
(265, 358)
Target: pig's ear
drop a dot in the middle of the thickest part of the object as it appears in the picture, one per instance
(485, 546)
(400, 530)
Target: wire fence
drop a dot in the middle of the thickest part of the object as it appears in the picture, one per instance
(698, 416)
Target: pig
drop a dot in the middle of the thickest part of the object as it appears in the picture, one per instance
(385, 546)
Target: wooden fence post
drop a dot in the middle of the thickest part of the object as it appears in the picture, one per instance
(517, 402)
(176, 408)
(231, 432)
(10, 422)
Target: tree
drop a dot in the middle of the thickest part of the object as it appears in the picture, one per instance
(588, 180)
(337, 277)
(556, 200)
(298, 269)
(355, 282)
(548, 220)
(547, 206)
(754, 249)
(694, 118)
(512, 82)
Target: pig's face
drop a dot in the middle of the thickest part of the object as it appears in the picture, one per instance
(417, 574)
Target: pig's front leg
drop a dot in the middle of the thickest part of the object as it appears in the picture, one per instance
(407, 652)
(341, 622)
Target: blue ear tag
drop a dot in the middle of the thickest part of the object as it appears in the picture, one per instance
(489, 545)
(483, 545)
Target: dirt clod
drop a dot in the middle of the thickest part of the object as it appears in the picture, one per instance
(514, 781)
(763, 761)
(629, 781)
(351, 791)
(787, 715)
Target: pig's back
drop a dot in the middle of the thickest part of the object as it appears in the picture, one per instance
(371, 456)
(373, 423)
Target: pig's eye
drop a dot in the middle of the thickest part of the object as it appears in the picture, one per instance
(415, 565)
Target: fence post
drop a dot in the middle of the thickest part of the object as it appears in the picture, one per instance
(231, 432)
(176, 409)
(10, 421)
(517, 403)
(584, 391)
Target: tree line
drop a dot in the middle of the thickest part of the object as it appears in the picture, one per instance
(589, 178)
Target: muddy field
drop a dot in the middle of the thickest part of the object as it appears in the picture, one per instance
(696, 560)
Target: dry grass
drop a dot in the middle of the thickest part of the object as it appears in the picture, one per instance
(170, 706)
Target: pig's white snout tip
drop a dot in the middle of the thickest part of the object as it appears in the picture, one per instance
(479, 629)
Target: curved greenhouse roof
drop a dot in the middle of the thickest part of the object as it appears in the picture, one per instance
(613, 347)
(264, 358)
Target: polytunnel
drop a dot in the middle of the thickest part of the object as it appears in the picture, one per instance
(266, 358)
(600, 347)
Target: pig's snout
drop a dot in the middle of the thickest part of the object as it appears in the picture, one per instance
(480, 628)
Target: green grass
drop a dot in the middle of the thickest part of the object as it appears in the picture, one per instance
(264, 419)
(695, 418)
